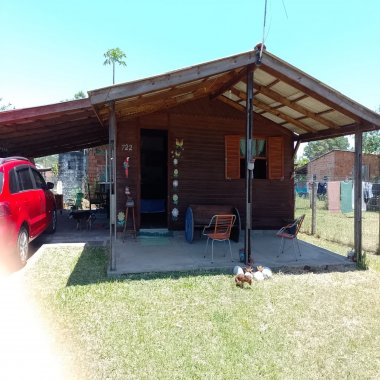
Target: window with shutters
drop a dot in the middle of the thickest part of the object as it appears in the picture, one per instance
(268, 154)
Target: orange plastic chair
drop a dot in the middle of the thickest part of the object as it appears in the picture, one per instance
(219, 229)
(290, 232)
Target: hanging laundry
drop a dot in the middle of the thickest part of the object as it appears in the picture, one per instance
(367, 187)
(346, 196)
(333, 196)
(353, 197)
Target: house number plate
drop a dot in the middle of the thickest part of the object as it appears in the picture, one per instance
(127, 147)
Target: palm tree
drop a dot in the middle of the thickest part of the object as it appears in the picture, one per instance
(114, 56)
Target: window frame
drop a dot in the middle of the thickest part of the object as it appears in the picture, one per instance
(274, 156)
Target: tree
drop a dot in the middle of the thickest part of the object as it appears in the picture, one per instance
(316, 149)
(80, 95)
(114, 56)
(371, 142)
(301, 161)
(5, 107)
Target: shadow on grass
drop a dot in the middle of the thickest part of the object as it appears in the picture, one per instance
(91, 268)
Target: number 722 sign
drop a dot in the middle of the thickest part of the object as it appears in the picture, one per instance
(127, 147)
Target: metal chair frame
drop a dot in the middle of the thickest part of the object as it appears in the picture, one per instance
(286, 233)
(219, 229)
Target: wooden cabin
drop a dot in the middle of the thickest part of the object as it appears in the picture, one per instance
(194, 154)
(178, 138)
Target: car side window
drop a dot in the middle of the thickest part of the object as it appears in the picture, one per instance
(25, 179)
(39, 180)
(13, 184)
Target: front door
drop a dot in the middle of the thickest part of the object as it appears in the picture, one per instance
(154, 178)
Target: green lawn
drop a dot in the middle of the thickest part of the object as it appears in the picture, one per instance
(338, 227)
(201, 326)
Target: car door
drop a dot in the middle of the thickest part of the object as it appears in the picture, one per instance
(40, 196)
(29, 199)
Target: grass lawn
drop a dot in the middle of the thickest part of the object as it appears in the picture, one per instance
(201, 326)
(339, 227)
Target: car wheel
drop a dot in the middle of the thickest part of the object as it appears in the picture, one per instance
(23, 245)
(53, 223)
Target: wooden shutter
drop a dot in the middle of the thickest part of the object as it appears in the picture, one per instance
(276, 157)
(232, 157)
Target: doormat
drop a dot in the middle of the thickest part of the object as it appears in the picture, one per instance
(155, 233)
(156, 240)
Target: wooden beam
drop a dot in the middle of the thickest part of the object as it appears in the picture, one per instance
(343, 131)
(44, 111)
(307, 84)
(293, 105)
(296, 149)
(283, 116)
(172, 79)
(235, 78)
(231, 103)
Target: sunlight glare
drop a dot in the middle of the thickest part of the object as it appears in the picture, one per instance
(26, 348)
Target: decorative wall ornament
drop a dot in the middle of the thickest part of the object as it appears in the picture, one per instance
(175, 213)
(176, 156)
(177, 152)
(120, 218)
(126, 166)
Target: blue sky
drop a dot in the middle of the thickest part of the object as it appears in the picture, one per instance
(52, 49)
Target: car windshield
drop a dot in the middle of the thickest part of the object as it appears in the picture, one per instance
(1, 181)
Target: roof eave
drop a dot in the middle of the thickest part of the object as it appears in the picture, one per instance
(171, 79)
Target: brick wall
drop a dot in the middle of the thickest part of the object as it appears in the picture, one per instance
(96, 169)
(338, 165)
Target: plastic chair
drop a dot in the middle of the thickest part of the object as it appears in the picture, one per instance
(219, 229)
(290, 232)
(78, 200)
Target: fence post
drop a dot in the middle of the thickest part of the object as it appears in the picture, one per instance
(378, 205)
(313, 208)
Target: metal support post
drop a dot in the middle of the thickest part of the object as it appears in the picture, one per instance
(358, 197)
(112, 189)
(248, 171)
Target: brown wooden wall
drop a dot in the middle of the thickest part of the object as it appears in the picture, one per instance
(203, 125)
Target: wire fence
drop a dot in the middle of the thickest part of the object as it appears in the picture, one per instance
(334, 211)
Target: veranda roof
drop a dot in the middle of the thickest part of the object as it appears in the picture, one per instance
(292, 99)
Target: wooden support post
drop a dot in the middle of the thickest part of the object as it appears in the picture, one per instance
(314, 208)
(358, 197)
(112, 180)
(378, 205)
(248, 172)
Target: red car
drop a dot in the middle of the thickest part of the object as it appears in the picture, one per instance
(27, 207)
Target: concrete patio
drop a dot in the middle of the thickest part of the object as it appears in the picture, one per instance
(154, 253)
(163, 251)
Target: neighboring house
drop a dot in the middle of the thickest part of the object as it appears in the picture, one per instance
(338, 165)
